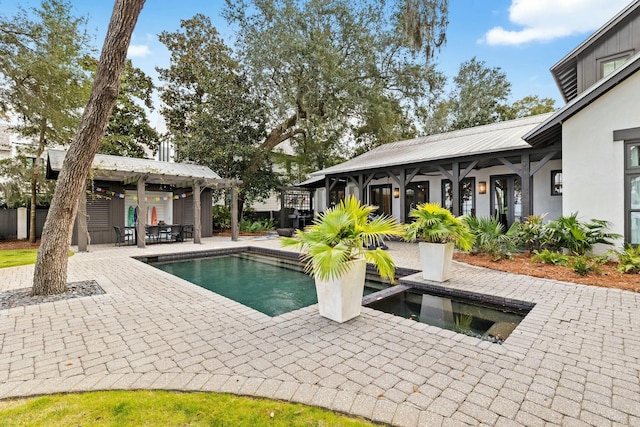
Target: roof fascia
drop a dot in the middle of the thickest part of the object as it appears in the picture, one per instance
(575, 106)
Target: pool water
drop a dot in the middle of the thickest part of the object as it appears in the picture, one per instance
(485, 321)
(267, 284)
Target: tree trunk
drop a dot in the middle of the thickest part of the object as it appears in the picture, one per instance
(35, 172)
(50, 274)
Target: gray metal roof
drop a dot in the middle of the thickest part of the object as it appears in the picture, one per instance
(496, 137)
(117, 168)
(552, 126)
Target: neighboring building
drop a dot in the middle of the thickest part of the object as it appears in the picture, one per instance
(583, 158)
(12, 143)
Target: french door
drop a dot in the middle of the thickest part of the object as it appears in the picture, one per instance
(415, 193)
(381, 197)
(506, 199)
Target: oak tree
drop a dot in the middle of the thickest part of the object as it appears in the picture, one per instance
(334, 70)
(213, 116)
(50, 273)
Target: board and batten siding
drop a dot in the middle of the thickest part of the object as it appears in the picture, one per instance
(625, 39)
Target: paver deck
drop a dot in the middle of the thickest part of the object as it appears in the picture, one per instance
(574, 360)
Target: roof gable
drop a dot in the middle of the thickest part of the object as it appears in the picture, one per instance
(566, 72)
(552, 127)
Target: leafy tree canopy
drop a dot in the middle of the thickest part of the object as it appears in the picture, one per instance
(530, 105)
(15, 186)
(479, 96)
(42, 80)
(129, 133)
(44, 84)
(331, 71)
(213, 116)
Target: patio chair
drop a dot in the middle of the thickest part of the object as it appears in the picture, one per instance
(122, 236)
(187, 231)
(153, 233)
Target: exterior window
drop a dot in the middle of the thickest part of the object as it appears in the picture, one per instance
(381, 197)
(556, 183)
(610, 65)
(632, 193)
(467, 201)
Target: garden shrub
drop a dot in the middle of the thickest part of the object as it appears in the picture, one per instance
(583, 264)
(629, 259)
(550, 257)
(531, 233)
(577, 236)
(490, 238)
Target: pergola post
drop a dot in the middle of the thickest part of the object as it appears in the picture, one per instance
(83, 231)
(455, 186)
(525, 181)
(197, 221)
(327, 195)
(403, 194)
(142, 212)
(234, 213)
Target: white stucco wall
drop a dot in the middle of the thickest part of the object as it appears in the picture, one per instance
(592, 162)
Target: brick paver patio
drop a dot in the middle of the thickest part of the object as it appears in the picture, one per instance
(574, 360)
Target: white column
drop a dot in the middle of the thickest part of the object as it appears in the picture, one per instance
(22, 223)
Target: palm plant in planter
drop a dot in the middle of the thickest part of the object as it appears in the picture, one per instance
(438, 232)
(335, 250)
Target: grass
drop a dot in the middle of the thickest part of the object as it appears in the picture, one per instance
(15, 257)
(163, 408)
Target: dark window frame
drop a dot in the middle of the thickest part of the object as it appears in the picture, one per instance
(471, 180)
(554, 191)
(382, 187)
(414, 186)
(630, 172)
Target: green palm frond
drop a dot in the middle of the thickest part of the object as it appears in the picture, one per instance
(436, 224)
(341, 234)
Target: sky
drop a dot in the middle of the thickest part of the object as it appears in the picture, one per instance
(524, 38)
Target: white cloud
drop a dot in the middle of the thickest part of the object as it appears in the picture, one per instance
(545, 20)
(138, 51)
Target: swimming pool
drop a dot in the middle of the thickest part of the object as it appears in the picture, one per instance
(276, 285)
(270, 285)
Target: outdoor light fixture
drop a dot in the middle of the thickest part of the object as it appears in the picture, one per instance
(482, 187)
(396, 193)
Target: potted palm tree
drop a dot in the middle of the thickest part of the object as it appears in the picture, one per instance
(335, 248)
(438, 231)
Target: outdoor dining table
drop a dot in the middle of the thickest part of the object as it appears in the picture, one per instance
(159, 233)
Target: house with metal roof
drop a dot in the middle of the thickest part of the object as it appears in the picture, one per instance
(482, 170)
(131, 192)
(583, 158)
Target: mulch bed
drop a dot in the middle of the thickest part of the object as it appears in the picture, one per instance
(521, 264)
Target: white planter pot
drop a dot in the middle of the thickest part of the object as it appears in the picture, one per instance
(341, 299)
(436, 260)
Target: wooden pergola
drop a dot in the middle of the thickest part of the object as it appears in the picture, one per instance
(145, 171)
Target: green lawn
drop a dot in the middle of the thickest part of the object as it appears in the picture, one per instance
(14, 257)
(163, 408)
